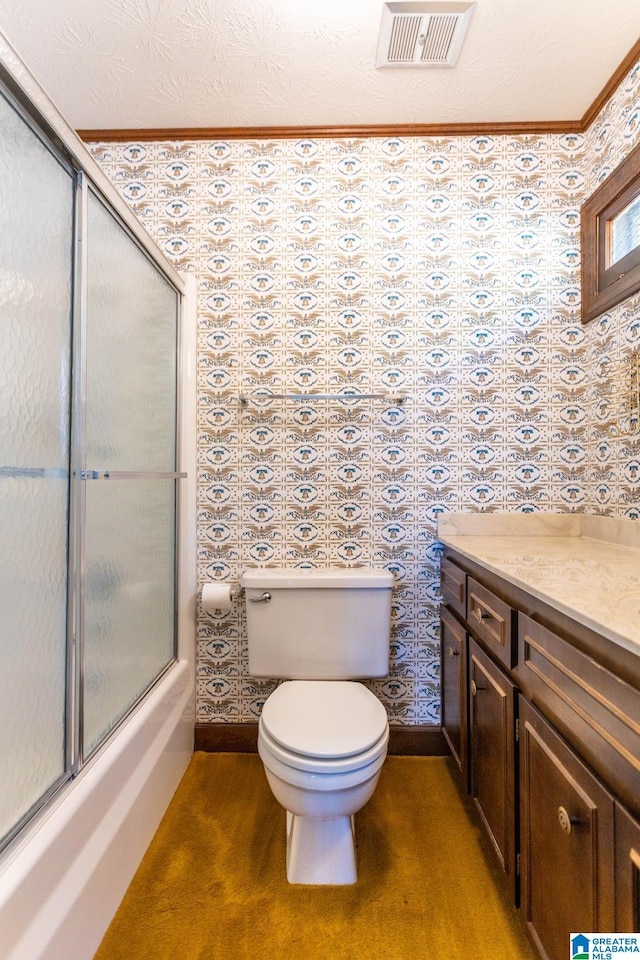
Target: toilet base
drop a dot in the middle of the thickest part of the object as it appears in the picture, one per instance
(321, 851)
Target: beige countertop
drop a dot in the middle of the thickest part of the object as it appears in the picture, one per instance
(586, 567)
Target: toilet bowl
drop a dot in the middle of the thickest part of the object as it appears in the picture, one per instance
(322, 734)
(323, 744)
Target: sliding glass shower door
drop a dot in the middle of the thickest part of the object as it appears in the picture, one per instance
(89, 334)
(130, 456)
(36, 246)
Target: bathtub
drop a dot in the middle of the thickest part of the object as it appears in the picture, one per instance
(62, 881)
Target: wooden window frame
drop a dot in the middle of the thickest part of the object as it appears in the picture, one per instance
(604, 286)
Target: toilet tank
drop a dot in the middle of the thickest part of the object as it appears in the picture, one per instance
(319, 624)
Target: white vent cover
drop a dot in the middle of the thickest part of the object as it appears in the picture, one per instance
(422, 33)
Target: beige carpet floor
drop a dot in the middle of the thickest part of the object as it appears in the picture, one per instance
(212, 884)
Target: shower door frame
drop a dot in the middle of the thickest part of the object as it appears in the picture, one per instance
(62, 880)
(25, 96)
(84, 474)
(10, 91)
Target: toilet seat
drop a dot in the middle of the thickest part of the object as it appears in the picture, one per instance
(324, 726)
(322, 766)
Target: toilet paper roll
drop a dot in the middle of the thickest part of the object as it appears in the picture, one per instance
(216, 596)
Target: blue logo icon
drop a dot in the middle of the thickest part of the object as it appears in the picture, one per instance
(580, 947)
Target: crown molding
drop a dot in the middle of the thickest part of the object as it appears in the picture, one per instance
(610, 88)
(360, 132)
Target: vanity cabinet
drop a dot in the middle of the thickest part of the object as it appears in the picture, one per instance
(551, 719)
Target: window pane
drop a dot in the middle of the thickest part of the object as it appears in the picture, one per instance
(625, 231)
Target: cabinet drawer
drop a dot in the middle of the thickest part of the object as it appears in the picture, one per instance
(490, 619)
(453, 583)
(597, 712)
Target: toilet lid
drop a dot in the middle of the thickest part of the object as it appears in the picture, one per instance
(324, 718)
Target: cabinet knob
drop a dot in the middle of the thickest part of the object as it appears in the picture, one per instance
(479, 615)
(566, 822)
(453, 653)
(475, 688)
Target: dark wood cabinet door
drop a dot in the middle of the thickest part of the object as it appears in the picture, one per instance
(627, 872)
(492, 746)
(454, 690)
(566, 840)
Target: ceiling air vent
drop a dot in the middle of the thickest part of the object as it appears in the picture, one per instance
(422, 33)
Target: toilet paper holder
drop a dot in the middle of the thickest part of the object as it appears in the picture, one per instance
(236, 592)
(220, 597)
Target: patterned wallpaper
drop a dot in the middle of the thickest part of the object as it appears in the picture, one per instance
(440, 272)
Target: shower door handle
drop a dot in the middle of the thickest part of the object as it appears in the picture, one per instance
(131, 475)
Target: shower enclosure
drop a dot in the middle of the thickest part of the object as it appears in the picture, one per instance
(91, 461)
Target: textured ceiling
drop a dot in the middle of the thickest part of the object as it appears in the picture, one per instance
(219, 63)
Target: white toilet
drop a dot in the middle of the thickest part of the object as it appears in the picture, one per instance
(322, 737)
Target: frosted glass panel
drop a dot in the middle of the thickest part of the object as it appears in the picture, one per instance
(129, 597)
(36, 222)
(131, 353)
(130, 523)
